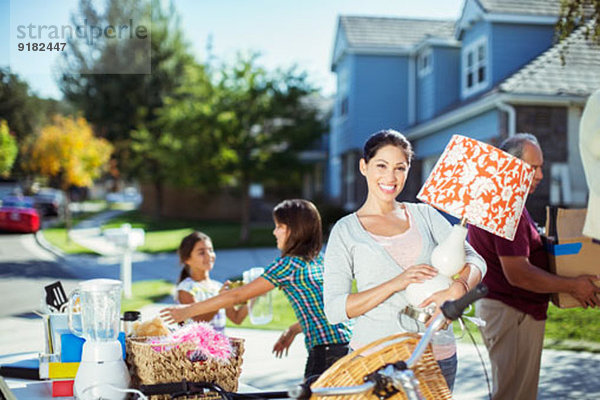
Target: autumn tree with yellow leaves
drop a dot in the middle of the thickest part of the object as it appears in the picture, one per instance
(67, 152)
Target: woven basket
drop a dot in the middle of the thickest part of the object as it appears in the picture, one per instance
(351, 369)
(148, 366)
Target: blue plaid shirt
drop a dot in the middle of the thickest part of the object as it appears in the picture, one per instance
(302, 283)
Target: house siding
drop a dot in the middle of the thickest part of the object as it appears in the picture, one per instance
(380, 96)
(509, 51)
(441, 87)
(483, 127)
(446, 77)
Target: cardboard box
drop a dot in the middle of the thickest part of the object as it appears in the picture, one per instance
(571, 253)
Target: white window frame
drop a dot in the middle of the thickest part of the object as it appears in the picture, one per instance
(425, 63)
(478, 62)
(343, 89)
(350, 180)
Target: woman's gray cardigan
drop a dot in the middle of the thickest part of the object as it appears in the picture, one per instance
(353, 254)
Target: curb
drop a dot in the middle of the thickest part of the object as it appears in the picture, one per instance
(43, 243)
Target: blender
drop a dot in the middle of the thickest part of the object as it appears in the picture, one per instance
(102, 373)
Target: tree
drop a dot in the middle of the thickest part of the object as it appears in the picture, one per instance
(119, 104)
(68, 154)
(575, 14)
(8, 149)
(250, 128)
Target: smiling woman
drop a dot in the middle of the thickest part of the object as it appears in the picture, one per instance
(386, 246)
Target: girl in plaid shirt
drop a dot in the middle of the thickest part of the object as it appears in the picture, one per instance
(299, 273)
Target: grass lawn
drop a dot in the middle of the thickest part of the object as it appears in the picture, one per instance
(283, 314)
(148, 292)
(574, 329)
(165, 234)
(57, 237)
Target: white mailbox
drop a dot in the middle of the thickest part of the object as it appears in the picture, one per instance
(127, 239)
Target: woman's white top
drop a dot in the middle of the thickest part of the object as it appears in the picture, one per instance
(352, 253)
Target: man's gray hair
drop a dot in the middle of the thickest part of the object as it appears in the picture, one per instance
(514, 144)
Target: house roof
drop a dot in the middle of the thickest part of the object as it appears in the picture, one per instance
(522, 7)
(364, 32)
(546, 75)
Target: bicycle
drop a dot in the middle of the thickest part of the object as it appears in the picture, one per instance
(384, 382)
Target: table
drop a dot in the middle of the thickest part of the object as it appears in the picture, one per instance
(26, 389)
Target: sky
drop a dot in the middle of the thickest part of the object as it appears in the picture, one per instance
(284, 32)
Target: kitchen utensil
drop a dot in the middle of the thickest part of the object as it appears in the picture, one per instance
(56, 296)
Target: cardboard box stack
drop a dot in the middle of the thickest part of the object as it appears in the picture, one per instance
(570, 252)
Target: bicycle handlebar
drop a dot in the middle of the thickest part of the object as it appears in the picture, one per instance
(452, 310)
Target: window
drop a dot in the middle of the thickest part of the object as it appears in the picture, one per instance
(350, 168)
(343, 90)
(475, 71)
(425, 63)
(344, 106)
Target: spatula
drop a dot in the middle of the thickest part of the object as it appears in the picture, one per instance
(56, 296)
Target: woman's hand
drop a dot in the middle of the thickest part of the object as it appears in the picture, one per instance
(414, 274)
(175, 314)
(286, 339)
(455, 291)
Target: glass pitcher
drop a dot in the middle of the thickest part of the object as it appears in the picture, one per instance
(260, 309)
(100, 304)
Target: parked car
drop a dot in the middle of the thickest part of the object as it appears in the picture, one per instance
(49, 201)
(17, 214)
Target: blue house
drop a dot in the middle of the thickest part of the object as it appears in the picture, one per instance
(493, 72)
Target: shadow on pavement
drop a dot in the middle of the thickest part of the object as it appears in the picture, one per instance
(34, 269)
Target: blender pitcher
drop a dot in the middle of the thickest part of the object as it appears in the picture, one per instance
(260, 308)
(102, 372)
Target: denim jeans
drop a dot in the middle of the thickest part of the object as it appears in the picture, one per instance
(323, 356)
(448, 367)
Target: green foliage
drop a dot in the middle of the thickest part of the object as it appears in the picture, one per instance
(118, 104)
(243, 126)
(17, 106)
(575, 14)
(8, 149)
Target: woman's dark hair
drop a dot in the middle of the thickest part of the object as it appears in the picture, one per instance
(384, 138)
(185, 250)
(304, 226)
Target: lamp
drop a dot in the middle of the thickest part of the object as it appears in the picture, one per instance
(480, 185)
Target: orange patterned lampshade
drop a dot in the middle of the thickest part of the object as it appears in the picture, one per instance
(481, 183)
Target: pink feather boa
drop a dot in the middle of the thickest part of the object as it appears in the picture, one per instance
(208, 342)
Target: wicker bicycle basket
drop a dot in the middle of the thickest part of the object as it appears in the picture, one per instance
(151, 364)
(354, 367)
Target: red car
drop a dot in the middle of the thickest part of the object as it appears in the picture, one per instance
(18, 215)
